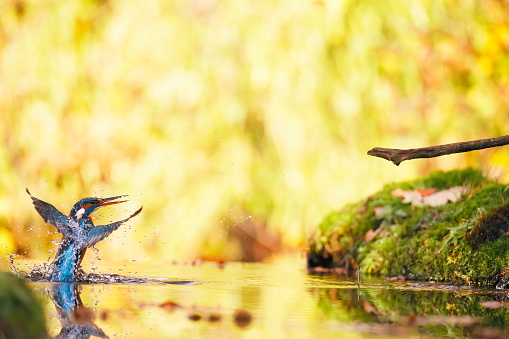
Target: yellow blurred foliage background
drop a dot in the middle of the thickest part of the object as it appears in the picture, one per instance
(239, 124)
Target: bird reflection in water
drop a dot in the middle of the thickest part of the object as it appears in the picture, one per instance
(76, 319)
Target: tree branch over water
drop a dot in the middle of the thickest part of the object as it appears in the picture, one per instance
(399, 155)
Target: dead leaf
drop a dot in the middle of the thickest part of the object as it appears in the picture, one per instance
(379, 211)
(452, 194)
(370, 235)
(423, 192)
(398, 192)
(429, 196)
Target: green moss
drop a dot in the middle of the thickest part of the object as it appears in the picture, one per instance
(21, 315)
(383, 236)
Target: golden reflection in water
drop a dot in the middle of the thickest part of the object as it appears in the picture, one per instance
(276, 297)
(276, 301)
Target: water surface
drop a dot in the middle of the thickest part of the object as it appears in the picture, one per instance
(270, 301)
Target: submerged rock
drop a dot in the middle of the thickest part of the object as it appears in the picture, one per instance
(461, 239)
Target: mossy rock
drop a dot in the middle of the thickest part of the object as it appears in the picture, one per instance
(21, 315)
(462, 242)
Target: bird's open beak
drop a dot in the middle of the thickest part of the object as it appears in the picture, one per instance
(108, 201)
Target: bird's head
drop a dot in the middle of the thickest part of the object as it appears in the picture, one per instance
(85, 207)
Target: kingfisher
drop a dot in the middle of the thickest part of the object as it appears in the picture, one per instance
(78, 233)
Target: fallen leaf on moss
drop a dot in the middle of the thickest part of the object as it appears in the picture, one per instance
(429, 196)
(422, 192)
(370, 234)
(379, 211)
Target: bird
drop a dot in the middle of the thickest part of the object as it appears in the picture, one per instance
(78, 233)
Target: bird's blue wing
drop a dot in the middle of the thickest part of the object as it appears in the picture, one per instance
(98, 233)
(52, 216)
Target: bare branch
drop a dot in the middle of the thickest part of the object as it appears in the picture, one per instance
(399, 155)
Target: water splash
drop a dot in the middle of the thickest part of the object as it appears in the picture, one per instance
(42, 272)
(37, 273)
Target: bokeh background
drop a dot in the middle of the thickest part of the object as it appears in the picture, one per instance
(238, 125)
